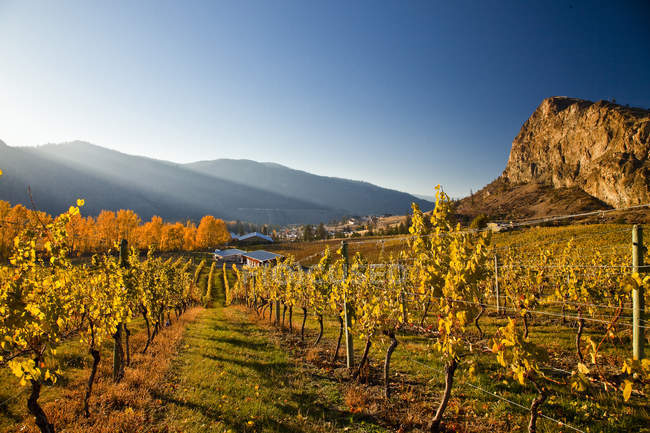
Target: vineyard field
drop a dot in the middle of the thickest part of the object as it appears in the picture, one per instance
(543, 290)
(229, 340)
(614, 238)
(453, 330)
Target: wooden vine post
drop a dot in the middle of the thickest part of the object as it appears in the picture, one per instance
(496, 283)
(402, 296)
(638, 307)
(118, 350)
(349, 345)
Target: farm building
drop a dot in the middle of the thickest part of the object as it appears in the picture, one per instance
(261, 257)
(232, 255)
(253, 238)
(499, 227)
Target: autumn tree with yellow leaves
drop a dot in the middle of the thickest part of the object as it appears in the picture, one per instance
(211, 233)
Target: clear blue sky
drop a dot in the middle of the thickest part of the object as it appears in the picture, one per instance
(402, 94)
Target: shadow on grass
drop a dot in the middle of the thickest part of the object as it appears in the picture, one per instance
(240, 342)
(265, 370)
(312, 404)
(239, 424)
(310, 407)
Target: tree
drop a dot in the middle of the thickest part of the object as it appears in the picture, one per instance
(189, 236)
(5, 229)
(449, 263)
(153, 232)
(172, 237)
(321, 232)
(211, 232)
(127, 222)
(106, 228)
(38, 306)
(479, 222)
(308, 233)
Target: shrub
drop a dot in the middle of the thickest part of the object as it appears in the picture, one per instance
(479, 222)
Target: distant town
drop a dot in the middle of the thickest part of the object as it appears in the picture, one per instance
(348, 227)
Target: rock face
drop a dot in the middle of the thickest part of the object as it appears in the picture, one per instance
(601, 148)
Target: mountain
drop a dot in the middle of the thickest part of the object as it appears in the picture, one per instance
(431, 198)
(601, 148)
(357, 198)
(571, 155)
(58, 174)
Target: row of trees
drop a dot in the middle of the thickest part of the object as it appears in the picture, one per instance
(320, 232)
(243, 227)
(96, 234)
(311, 233)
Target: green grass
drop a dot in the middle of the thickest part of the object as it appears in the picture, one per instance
(419, 379)
(231, 376)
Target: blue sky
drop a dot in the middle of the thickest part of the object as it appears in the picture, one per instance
(402, 94)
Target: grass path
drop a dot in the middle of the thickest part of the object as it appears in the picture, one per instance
(231, 376)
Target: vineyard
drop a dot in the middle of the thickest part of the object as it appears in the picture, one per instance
(536, 330)
(532, 288)
(45, 301)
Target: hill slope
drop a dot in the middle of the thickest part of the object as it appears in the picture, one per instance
(60, 173)
(360, 198)
(571, 155)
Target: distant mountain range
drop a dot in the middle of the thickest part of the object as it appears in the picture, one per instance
(245, 190)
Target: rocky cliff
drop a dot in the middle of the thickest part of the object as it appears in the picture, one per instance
(601, 148)
(571, 156)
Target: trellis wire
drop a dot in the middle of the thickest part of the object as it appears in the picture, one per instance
(562, 423)
(514, 403)
(547, 313)
(583, 304)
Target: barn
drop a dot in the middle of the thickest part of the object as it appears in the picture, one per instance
(261, 257)
(254, 238)
(231, 255)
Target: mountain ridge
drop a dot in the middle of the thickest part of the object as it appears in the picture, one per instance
(109, 179)
(367, 198)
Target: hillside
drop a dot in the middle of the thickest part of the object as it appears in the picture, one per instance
(60, 173)
(571, 155)
(358, 198)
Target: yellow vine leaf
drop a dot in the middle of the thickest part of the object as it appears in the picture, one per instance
(627, 390)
